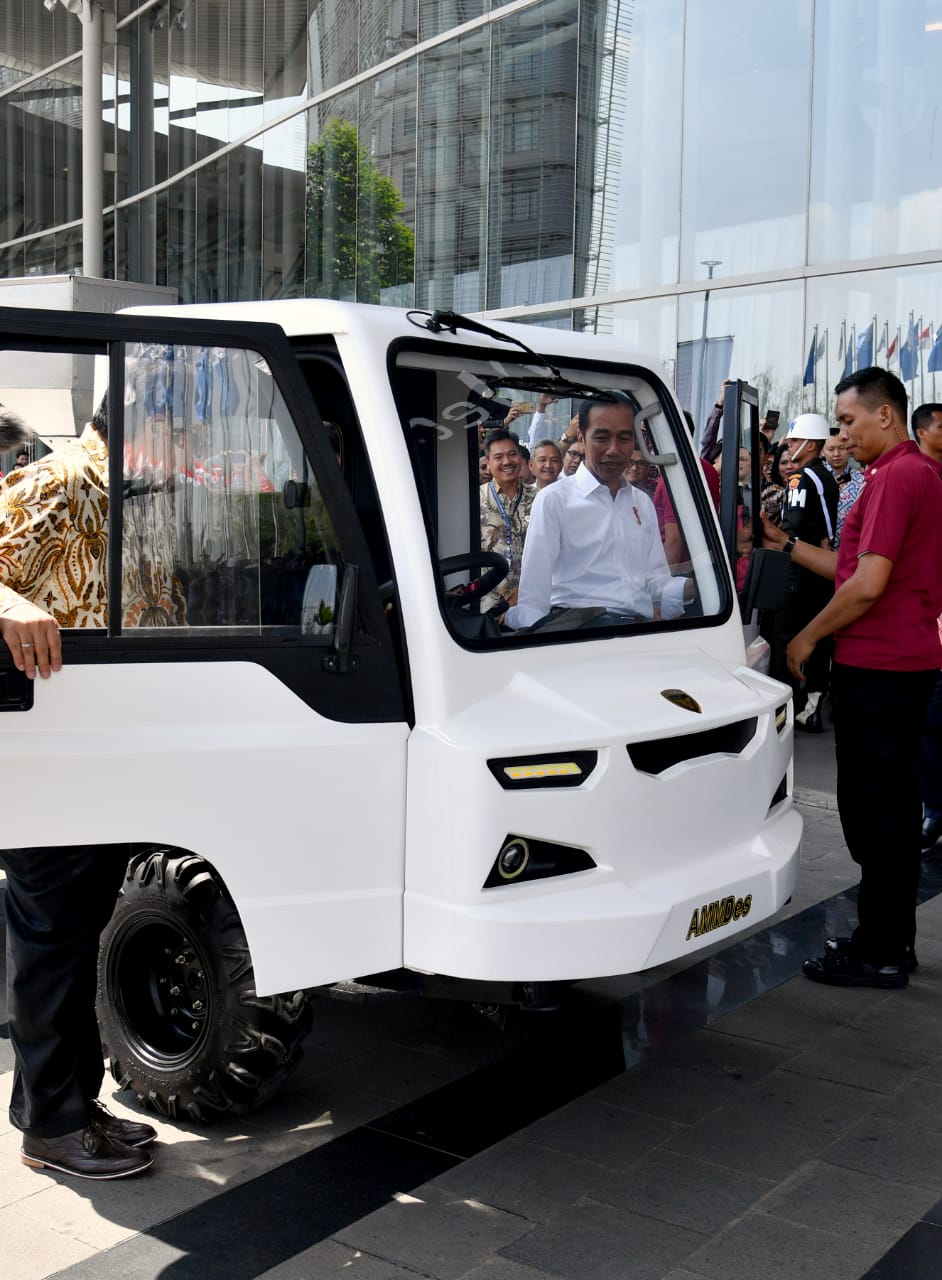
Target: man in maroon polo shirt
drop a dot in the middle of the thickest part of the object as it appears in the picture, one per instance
(888, 579)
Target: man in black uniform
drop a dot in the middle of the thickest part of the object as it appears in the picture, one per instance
(809, 515)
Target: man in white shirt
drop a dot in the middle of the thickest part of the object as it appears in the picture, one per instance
(593, 540)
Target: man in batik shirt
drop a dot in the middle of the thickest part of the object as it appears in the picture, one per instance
(53, 558)
(505, 513)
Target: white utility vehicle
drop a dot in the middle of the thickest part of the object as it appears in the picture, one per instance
(328, 761)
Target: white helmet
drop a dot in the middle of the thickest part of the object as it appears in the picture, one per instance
(808, 426)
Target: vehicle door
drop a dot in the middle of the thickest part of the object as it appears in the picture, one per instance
(240, 695)
(760, 574)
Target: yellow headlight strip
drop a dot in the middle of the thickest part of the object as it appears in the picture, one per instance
(781, 717)
(555, 769)
(559, 769)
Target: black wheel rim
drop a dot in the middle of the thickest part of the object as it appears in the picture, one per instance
(160, 988)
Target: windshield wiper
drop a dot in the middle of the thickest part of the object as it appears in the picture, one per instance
(451, 322)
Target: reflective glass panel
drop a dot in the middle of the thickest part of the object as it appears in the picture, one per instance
(876, 177)
(334, 159)
(745, 156)
(753, 334)
(531, 179)
(631, 65)
(385, 214)
(451, 221)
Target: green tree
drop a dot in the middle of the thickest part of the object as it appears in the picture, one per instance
(356, 241)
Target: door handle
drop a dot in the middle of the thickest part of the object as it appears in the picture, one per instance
(16, 692)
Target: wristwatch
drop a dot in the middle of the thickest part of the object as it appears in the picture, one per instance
(789, 546)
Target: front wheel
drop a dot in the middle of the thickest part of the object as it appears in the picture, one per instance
(179, 1016)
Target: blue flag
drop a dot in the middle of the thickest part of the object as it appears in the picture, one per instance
(934, 363)
(809, 367)
(865, 349)
(908, 356)
(849, 360)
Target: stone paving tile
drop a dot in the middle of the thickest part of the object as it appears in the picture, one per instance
(789, 1024)
(105, 1213)
(766, 1148)
(888, 1149)
(918, 1102)
(507, 1269)
(434, 1232)
(595, 1242)
(868, 1059)
(822, 1105)
(687, 1192)
(521, 1178)
(667, 1092)
(29, 1251)
(329, 1258)
(717, 1056)
(763, 1248)
(873, 1210)
(604, 1134)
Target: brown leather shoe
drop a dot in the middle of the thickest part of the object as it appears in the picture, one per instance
(133, 1133)
(84, 1153)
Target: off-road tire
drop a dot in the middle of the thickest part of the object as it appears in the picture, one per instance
(179, 1016)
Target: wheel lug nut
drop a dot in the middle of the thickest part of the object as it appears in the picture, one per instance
(195, 1026)
(174, 991)
(197, 1005)
(181, 959)
(174, 1011)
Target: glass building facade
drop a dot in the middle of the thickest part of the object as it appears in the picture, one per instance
(752, 190)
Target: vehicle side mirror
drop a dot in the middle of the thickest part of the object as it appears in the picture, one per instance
(295, 494)
(766, 581)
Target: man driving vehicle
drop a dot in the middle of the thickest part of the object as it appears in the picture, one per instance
(593, 541)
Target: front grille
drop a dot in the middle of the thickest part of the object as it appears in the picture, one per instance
(663, 753)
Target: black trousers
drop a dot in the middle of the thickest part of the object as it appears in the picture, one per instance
(805, 599)
(56, 904)
(931, 760)
(878, 726)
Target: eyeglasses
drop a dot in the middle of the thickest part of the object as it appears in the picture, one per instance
(575, 453)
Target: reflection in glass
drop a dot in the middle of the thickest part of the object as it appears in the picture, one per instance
(454, 90)
(531, 178)
(745, 153)
(223, 524)
(876, 178)
(385, 218)
(757, 331)
(630, 226)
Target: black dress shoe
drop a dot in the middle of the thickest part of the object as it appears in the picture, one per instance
(84, 1153)
(133, 1133)
(931, 831)
(813, 724)
(844, 969)
(846, 945)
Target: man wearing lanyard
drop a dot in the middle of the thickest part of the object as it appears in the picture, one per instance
(505, 513)
(888, 575)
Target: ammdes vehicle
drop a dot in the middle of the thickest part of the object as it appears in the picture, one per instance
(327, 759)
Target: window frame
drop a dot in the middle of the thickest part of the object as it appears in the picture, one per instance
(686, 458)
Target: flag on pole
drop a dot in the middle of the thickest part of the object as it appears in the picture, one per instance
(808, 379)
(891, 350)
(865, 349)
(849, 359)
(882, 343)
(934, 363)
(907, 354)
(925, 336)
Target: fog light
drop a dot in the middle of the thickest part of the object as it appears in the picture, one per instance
(512, 860)
(781, 717)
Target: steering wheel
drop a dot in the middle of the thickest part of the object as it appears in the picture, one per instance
(469, 595)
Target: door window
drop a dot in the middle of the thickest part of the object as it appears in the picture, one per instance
(224, 525)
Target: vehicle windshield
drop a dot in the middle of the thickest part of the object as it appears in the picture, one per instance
(557, 506)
